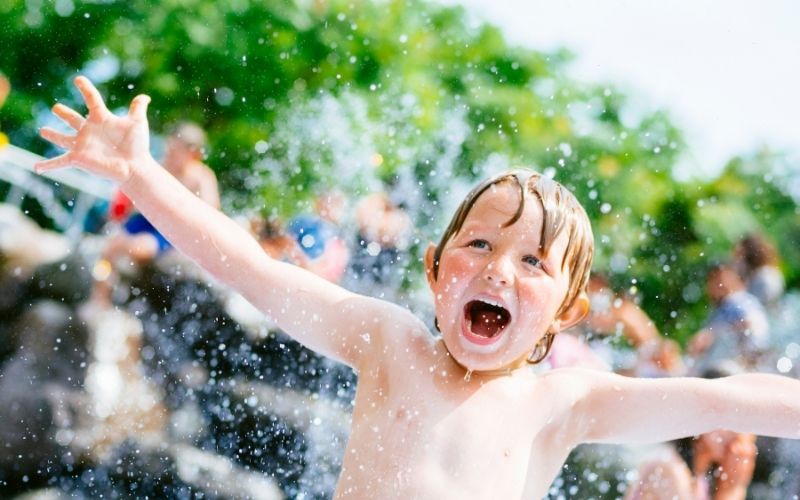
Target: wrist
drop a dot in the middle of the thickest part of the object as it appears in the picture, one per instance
(139, 170)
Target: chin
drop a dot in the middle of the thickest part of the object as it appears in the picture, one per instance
(477, 357)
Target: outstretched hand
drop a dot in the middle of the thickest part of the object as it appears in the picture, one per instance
(104, 144)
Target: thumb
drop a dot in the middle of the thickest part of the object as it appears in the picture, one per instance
(138, 109)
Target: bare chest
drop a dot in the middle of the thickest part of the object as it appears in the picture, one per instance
(434, 442)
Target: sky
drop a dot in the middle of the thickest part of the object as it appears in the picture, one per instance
(727, 71)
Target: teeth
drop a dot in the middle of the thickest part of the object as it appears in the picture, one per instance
(492, 302)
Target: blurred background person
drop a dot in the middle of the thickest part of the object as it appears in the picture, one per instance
(384, 229)
(729, 459)
(661, 357)
(612, 313)
(275, 241)
(664, 476)
(736, 330)
(318, 236)
(609, 314)
(756, 261)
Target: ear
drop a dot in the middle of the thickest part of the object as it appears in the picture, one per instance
(429, 252)
(572, 316)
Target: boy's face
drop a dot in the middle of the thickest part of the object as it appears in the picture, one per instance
(496, 295)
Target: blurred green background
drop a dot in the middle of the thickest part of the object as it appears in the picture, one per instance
(300, 97)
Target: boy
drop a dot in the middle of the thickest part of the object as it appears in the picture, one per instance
(460, 416)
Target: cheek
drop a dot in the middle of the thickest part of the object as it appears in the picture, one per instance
(456, 269)
(538, 303)
(455, 273)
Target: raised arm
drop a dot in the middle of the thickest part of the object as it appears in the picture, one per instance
(324, 317)
(616, 409)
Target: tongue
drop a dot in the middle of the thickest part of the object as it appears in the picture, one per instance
(486, 323)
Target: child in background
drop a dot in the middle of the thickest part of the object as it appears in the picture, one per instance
(659, 358)
(756, 261)
(325, 252)
(736, 330)
(609, 314)
(461, 415)
(730, 459)
(275, 242)
(384, 230)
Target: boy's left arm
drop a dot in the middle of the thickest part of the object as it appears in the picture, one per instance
(617, 409)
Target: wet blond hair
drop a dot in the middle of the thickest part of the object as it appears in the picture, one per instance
(562, 212)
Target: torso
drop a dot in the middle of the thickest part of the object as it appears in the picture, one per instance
(420, 430)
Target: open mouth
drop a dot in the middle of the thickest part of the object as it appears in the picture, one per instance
(485, 320)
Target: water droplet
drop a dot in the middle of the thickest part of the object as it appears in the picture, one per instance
(784, 365)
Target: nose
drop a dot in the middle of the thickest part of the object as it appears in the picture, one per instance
(499, 271)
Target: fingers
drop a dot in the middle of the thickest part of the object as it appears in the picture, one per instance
(52, 163)
(69, 116)
(61, 140)
(92, 97)
(138, 109)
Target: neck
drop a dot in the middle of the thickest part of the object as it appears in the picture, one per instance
(505, 371)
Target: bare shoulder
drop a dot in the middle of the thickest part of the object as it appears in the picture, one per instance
(572, 389)
(569, 382)
(557, 403)
(392, 332)
(392, 317)
(584, 382)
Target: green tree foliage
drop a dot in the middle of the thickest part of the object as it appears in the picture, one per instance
(304, 96)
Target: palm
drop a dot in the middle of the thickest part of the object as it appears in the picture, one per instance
(104, 144)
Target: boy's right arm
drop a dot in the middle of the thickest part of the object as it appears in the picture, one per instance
(325, 317)
(317, 313)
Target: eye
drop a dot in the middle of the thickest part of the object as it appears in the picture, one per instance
(479, 244)
(533, 261)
